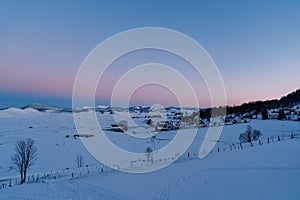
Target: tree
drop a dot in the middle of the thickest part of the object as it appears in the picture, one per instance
(256, 134)
(281, 115)
(249, 132)
(264, 114)
(123, 124)
(250, 135)
(79, 160)
(148, 152)
(149, 122)
(24, 157)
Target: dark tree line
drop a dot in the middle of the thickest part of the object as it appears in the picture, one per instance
(256, 106)
(260, 106)
(212, 112)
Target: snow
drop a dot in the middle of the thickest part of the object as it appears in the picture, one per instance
(102, 106)
(60, 190)
(268, 171)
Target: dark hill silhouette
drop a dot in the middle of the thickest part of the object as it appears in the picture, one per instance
(285, 101)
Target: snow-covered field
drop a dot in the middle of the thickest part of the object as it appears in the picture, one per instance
(268, 171)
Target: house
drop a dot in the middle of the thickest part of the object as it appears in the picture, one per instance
(83, 135)
(201, 124)
(295, 116)
(259, 116)
(273, 114)
(228, 123)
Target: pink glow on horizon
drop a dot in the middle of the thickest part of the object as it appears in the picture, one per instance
(59, 82)
(38, 81)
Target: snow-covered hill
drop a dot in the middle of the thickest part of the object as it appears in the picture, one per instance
(267, 171)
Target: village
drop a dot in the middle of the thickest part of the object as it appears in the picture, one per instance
(174, 118)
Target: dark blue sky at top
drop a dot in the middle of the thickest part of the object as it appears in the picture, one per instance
(255, 44)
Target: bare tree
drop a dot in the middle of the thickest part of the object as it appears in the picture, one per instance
(24, 157)
(250, 135)
(148, 152)
(79, 160)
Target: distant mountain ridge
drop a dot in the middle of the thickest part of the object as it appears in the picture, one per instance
(289, 100)
(43, 108)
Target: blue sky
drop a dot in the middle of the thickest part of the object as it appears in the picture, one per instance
(255, 44)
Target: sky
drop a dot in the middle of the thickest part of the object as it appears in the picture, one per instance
(255, 45)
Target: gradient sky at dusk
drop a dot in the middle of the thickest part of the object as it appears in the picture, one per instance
(255, 44)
